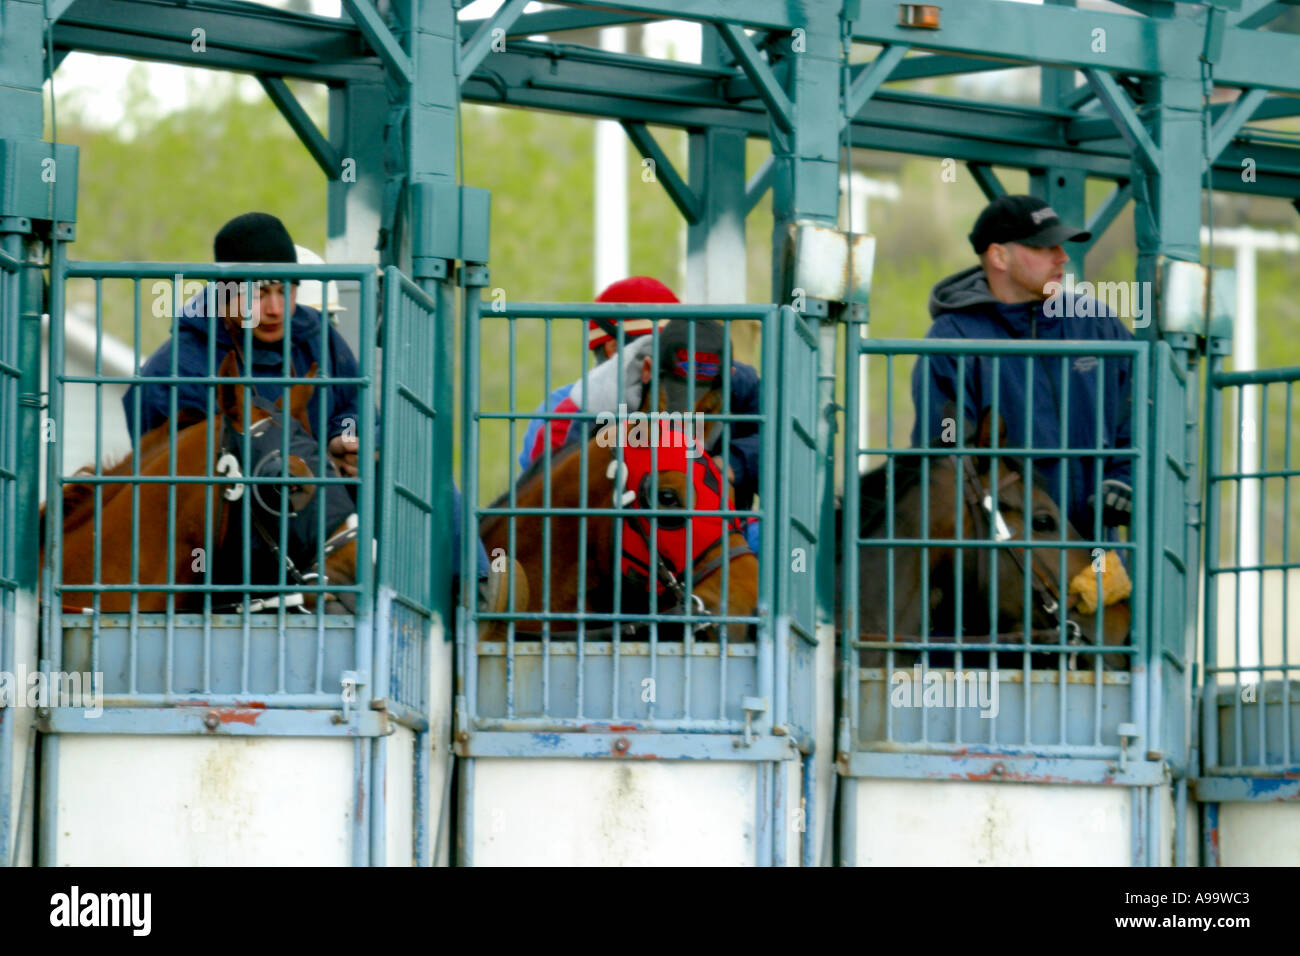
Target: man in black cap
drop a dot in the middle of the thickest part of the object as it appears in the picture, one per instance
(1015, 293)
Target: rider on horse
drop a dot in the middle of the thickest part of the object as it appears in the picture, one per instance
(257, 237)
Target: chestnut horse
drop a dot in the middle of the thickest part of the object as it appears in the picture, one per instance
(979, 522)
(681, 463)
(224, 431)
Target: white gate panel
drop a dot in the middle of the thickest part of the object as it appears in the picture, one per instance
(965, 823)
(176, 801)
(615, 813)
(1259, 834)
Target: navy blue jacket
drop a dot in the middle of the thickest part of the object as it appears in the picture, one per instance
(342, 401)
(963, 307)
(191, 346)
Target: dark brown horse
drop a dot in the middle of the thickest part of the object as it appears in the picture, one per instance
(193, 438)
(980, 522)
(680, 464)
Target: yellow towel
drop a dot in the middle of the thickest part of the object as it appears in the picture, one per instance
(1115, 585)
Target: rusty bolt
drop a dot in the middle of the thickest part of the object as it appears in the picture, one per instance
(621, 745)
(999, 769)
(462, 736)
(211, 720)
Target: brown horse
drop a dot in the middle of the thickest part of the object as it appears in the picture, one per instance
(193, 439)
(979, 522)
(680, 464)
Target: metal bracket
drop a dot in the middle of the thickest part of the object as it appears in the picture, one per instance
(760, 74)
(751, 706)
(352, 682)
(1127, 734)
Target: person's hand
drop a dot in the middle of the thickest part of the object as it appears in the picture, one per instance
(1116, 503)
(343, 452)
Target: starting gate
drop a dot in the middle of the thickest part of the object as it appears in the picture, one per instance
(1079, 721)
(1250, 703)
(603, 740)
(312, 725)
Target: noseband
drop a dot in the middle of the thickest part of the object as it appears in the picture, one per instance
(668, 577)
(983, 513)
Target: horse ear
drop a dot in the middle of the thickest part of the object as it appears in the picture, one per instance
(299, 396)
(984, 435)
(230, 396)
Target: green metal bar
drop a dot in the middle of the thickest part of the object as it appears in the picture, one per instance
(687, 201)
(326, 156)
(381, 40)
(760, 74)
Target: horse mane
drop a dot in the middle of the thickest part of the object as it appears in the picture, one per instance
(79, 497)
(534, 469)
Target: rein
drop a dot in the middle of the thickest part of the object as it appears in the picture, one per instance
(995, 526)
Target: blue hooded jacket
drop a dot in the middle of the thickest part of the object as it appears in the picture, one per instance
(963, 307)
(191, 346)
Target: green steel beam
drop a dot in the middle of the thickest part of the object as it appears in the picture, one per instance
(326, 156)
(1116, 104)
(758, 185)
(943, 64)
(1256, 13)
(54, 9)
(987, 180)
(479, 45)
(595, 84)
(558, 21)
(759, 73)
(380, 38)
(69, 38)
(1231, 121)
(1110, 207)
(687, 201)
(871, 76)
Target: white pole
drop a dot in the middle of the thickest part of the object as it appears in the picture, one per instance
(611, 187)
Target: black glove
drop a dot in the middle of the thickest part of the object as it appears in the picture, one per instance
(1116, 503)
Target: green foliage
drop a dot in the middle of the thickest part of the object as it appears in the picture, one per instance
(160, 187)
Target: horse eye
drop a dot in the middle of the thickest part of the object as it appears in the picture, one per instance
(1043, 521)
(668, 498)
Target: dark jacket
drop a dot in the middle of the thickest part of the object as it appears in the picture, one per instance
(191, 344)
(962, 306)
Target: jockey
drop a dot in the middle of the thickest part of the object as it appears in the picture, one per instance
(258, 237)
(1013, 294)
(605, 346)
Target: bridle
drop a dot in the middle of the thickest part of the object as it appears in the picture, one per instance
(637, 572)
(260, 510)
(984, 513)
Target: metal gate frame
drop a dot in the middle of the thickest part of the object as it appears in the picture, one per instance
(778, 724)
(10, 378)
(1241, 782)
(1049, 764)
(389, 642)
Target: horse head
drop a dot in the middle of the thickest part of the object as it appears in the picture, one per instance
(1000, 504)
(309, 514)
(664, 475)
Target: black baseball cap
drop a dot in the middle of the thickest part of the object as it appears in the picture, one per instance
(675, 353)
(1027, 220)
